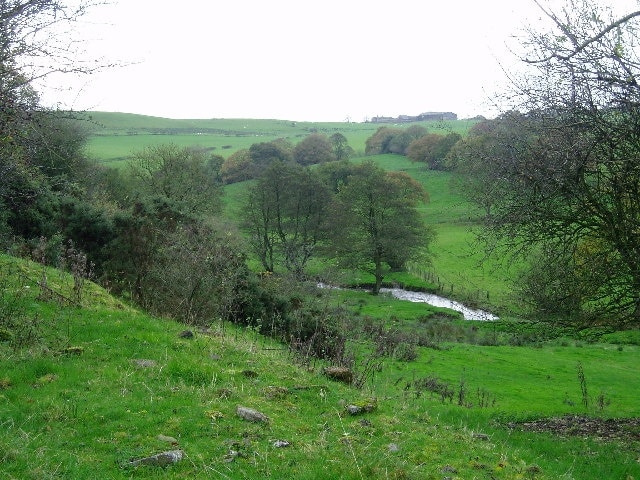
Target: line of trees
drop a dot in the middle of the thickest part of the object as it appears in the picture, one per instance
(316, 148)
(359, 214)
(416, 143)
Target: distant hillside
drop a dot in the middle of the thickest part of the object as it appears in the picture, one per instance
(425, 116)
(114, 136)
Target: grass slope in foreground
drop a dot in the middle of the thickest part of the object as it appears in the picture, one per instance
(106, 383)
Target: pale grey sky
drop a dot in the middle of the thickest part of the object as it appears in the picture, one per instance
(297, 60)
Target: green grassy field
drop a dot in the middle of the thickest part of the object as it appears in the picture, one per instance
(114, 136)
(107, 384)
(103, 384)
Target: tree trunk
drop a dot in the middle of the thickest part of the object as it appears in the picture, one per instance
(379, 274)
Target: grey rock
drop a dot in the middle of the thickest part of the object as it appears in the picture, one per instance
(393, 447)
(449, 469)
(357, 408)
(251, 415)
(159, 460)
(231, 456)
(281, 444)
(341, 374)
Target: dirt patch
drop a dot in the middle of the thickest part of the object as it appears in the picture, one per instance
(612, 429)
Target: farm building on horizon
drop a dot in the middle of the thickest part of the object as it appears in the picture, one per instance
(426, 116)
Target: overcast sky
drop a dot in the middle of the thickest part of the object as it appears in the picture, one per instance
(298, 60)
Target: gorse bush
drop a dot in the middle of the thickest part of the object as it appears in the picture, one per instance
(194, 276)
(319, 333)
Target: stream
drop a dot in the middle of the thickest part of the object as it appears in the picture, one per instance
(437, 301)
(434, 300)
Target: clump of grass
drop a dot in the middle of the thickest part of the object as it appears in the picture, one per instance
(583, 385)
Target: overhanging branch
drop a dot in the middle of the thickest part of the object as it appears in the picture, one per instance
(579, 47)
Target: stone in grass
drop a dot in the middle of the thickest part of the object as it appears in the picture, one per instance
(186, 334)
(341, 374)
(273, 392)
(281, 444)
(251, 415)
(449, 469)
(364, 406)
(159, 460)
(144, 363)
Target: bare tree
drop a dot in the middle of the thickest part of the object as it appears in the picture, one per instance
(570, 162)
(37, 40)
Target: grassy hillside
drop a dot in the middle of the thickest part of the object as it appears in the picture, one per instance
(114, 136)
(99, 385)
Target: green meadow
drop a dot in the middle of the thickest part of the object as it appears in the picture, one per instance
(89, 387)
(114, 136)
(106, 385)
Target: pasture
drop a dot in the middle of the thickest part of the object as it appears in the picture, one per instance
(107, 384)
(114, 136)
(87, 387)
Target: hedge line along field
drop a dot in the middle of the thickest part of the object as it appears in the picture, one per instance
(114, 136)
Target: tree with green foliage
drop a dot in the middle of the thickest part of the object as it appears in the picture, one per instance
(237, 167)
(29, 33)
(182, 175)
(375, 225)
(378, 143)
(40, 153)
(471, 159)
(264, 154)
(432, 149)
(334, 174)
(401, 142)
(313, 149)
(393, 140)
(341, 148)
(285, 216)
(568, 165)
(197, 273)
(139, 232)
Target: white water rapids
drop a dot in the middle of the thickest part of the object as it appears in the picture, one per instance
(436, 301)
